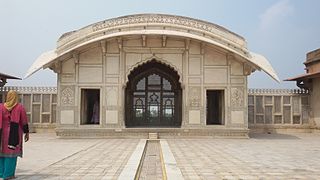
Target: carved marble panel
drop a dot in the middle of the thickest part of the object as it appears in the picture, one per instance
(237, 117)
(67, 78)
(112, 96)
(194, 80)
(68, 66)
(194, 48)
(236, 68)
(89, 74)
(112, 80)
(145, 56)
(136, 42)
(214, 58)
(237, 80)
(67, 96)
(175, 43)
(67, 117)
(195, 96)
(194, 117)
(132, 59)
(112, 63)
(111, 117)
(174, 59)
(154, 41)
(237, 97)
(195, 66)
(92, 56)
(112, 47)
(215, 75)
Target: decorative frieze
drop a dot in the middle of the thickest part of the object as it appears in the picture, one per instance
(209, 30)
(167, 19)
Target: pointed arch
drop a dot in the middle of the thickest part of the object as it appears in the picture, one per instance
(158, 60)
(153, 96)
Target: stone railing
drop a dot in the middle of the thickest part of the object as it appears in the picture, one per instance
(26, 89)
(278, 108)
(277, 91)
(40, 104)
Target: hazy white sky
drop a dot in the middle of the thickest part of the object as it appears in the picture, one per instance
(282, 30)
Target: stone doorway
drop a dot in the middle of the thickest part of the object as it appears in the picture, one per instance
(215, 107)
(153, 96)
(90, 106)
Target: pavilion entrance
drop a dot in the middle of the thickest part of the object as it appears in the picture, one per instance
(153, 96)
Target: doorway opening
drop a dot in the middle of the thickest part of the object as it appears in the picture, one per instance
(153, 96)
(215, 107)
(90, 106)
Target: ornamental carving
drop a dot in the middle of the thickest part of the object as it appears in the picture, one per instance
(67, 96)
(237, 97)
(110, 26)
(162, 18)
(194, 96)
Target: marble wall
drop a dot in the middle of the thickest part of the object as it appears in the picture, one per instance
(107, 64)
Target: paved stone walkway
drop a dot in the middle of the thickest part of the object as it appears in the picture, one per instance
(104, 159)
(260, 157)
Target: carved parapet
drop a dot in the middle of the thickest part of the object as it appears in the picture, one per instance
(151, 22)
(28, 89)
(277, 91)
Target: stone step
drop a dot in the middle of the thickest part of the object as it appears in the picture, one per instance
(148, 133)
(153, 135)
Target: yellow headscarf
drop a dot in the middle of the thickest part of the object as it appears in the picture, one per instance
(12, 100)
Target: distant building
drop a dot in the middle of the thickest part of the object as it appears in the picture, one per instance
(311, 81)
(147, 73)
(3, 81)
(4, 77)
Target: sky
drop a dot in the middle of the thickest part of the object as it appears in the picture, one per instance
(281, 30)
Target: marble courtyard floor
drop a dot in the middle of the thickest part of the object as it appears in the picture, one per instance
(263, 156)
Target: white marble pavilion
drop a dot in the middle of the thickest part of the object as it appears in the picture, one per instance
(145, 73)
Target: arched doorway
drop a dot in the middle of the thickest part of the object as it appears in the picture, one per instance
(153, 96)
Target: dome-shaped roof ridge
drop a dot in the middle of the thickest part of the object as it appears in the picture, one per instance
(119, 18)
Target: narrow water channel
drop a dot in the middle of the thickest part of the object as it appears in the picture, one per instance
(151, 166)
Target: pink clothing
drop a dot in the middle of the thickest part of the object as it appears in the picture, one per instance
(95, 113)
(17, 116)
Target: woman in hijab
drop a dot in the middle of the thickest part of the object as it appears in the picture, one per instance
(13, 123)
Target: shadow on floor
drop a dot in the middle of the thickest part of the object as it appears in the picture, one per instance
(22, 174)
(272, 136)
(35, 176)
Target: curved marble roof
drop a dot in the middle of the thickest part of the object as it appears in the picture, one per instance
(153, 24)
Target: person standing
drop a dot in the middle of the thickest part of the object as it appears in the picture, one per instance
(13, 123)
(95, 112)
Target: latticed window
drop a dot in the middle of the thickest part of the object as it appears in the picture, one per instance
(153, 96)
